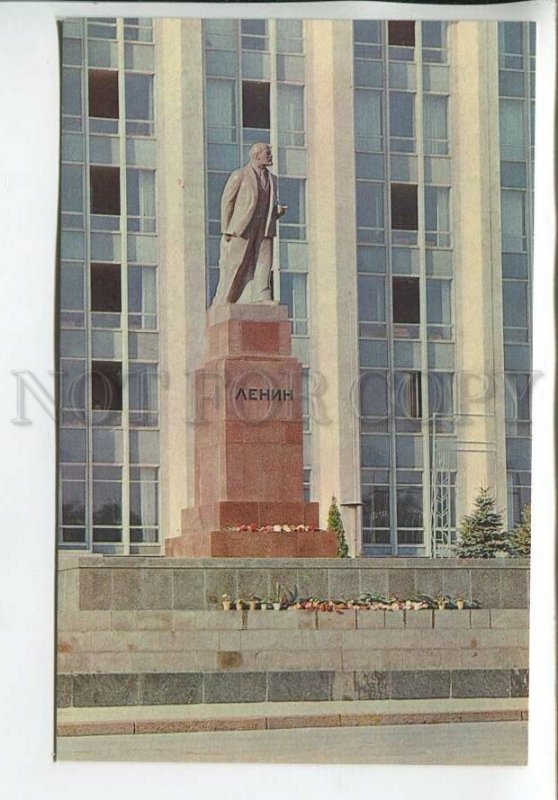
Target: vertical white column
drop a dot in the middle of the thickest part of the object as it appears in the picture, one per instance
(478, 274)
(332, 267)
(182, 255)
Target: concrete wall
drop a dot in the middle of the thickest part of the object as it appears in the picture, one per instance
(136, 657)
(152, 583)
(137, 631)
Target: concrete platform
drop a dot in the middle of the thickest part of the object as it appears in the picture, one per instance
(131, 720)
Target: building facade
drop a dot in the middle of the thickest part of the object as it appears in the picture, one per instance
(404, 152)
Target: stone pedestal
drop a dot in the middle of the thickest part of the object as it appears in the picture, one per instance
(248, 442)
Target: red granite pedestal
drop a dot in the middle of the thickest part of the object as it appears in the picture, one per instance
(248, 442)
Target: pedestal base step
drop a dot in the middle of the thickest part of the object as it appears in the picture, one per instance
(247, 544)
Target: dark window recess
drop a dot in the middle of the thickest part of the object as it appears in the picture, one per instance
(406, 308)
(401, 33)
(105, 190)
(255, 105)
(106, 385)
(105, 287)
(103, 93)
(404, 214)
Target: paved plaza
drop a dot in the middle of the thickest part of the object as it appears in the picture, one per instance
(486, 743)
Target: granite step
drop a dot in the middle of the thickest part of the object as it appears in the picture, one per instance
(131, 720)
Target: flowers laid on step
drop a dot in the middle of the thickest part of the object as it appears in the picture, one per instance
(281, 598)
(283, 528)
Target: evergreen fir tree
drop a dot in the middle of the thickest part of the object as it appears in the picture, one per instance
(335, 523)
(520, 537)
(480, 533)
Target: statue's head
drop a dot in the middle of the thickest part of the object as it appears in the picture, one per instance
(260, 155)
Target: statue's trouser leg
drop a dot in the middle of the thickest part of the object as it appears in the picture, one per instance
(234, 263)
(261, 285)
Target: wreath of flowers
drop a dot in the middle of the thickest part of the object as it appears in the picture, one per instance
(253, 528)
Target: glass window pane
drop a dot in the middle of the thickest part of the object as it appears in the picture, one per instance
(140, 191)
(292, 194)
(435, 124)
(433, 34)
(221, 108)
(367, 31)
(71, 287)
(370, 205)
(513, 221)
(438, 301)
(143, 386)
(107, 503)
(371, 298)
(72, 445)
(409, 507)
(408, 452)
(144, 447)
(73, 382)
(290, 119)
(139, 96)
(437, 208)
(142, 290)
(516, 302)
(373, 394)
(73, 502)
(402, 114)
(375, 507)
(107, 446)
(510, 37)
(368, 120)
(375, 451)
(293, 294)
(72, 187)
(518, 405)
(71, 92)
(511, 124)
(143, 503)
(440, 394)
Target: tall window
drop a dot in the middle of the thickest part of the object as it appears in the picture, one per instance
(404, 213)
(370, 212)
(513, 221)
(293, 295)
(402, 122)
(255, 108)
(106, 385)
(406, 306)
(141, 199)
(221, 110)
(368, 120)
(375, 515)
(401, 33)
(292, 194)
(105, 190)
(371, 298)
(290, 113)
(139, 104)
(103, 93)
(434, 48)
(438, 308)
(512, 134)
(518, 403)
(437, 216)
(105, 287)
(435, 124)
